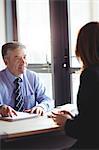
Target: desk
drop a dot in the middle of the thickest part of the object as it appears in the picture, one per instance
(37, 129)
(26, 127)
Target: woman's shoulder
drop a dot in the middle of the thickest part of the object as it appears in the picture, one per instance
(91, 71)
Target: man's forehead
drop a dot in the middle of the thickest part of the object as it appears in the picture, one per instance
(18, 51)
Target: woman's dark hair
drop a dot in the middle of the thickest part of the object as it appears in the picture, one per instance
(10, 46)
(87, 46)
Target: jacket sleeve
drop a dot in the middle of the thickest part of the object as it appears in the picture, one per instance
(88, 101)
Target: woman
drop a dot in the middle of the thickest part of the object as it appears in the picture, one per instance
(85, 127)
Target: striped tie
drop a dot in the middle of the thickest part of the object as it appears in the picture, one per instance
(18, 95)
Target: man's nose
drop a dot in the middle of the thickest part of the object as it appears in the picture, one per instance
(23, 60)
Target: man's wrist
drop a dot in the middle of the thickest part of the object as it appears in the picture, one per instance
(1, 108)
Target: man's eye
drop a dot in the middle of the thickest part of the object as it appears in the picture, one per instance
(17, 58)
(20, 58)
(24, 57)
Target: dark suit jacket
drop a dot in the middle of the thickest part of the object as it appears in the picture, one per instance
(85, 126)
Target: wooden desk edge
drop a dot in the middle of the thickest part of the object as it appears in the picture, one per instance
(23, 134)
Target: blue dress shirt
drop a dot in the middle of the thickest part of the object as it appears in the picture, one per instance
(32, 89)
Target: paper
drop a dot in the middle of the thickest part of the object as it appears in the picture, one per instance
(20, 116)
(71, 108)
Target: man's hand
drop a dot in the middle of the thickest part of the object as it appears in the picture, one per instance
(37, 110)
(6, 111)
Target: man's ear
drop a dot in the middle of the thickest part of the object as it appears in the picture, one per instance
(5, 60)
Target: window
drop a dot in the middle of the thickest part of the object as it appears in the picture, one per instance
(80, 12)
(34, 31)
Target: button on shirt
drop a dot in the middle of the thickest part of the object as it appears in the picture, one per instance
(32, 89)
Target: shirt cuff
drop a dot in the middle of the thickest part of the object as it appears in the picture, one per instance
(43, 106)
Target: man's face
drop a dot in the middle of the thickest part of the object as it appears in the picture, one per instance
(16, 61)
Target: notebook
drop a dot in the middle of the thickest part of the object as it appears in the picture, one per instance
(20, 116)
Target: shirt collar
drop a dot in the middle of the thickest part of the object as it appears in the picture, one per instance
(11, 77)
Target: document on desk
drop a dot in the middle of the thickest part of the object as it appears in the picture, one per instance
(20, 116)
(70, 108)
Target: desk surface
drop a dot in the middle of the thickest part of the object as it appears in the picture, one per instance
(37, 125)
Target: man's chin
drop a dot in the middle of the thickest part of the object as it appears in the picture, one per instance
(22, 71)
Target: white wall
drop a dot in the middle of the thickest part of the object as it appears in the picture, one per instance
(2, 30)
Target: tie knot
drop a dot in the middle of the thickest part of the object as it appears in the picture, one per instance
(17, 80)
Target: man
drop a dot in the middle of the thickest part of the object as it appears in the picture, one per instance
(26, 95)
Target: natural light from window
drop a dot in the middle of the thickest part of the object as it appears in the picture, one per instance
(34, 31)
(80, 13)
